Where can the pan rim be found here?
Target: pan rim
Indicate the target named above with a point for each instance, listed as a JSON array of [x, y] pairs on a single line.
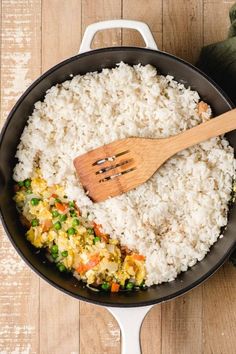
[[37, 271]]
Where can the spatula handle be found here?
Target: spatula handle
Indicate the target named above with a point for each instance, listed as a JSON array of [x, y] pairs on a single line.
[[210, 129]]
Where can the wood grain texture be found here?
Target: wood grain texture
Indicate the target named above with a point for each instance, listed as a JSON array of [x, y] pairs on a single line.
[[219, 312], [151, 13], [59, 314], [219, 10], [183, 28], [19, 286], [42, 320]]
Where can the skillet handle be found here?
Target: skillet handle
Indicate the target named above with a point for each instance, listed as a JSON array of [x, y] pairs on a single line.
[[92, 29], [130, 321]]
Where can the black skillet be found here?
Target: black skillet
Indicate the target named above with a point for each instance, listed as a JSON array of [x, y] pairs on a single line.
[[95, 60]]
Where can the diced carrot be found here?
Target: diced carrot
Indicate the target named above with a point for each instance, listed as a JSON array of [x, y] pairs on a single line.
[[202, 107], [115, 287], [81, 268], [138, 257], [54, 195], [46, 225], [104, 238], [93, 261], [61, 207], [97, 230]]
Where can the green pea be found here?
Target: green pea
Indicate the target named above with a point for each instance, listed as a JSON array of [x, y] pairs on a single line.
[[90, 231], [73, 213], [55, 213], [71, 231], [129, 286], [57, 225], [34, 201], [54, 255], [75, 222], [96, 239], [27, 183], [21, 184], [28, 191], [57, 200], [35, 222], [63, 217], [61, 267], [71, 204], [54, 249], [64, 253], [105, 286]]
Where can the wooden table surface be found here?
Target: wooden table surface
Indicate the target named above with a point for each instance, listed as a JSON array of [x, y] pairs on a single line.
[[36, 318]]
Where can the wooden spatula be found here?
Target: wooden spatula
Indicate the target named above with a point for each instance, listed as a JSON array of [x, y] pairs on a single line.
[[113, 169]]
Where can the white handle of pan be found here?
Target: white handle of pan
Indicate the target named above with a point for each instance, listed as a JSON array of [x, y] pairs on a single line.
[[130, 321], [141, 27]]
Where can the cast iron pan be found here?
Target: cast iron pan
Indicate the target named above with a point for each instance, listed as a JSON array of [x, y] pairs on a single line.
[[80, 64]]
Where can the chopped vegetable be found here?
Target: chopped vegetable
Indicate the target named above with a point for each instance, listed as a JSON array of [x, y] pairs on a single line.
[[61, 267], [96, 239], [54, 249], [27, 183], [21, 184], [61, 207], [71, 204], [55, 213], [75, 222], [71, 231], [138, 257], [34, 201], [63, 217], [35, 222], [129, 286], [64, 253], [115, 287], [57, 225], [105, 286]]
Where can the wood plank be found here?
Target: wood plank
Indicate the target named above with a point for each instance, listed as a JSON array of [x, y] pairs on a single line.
[[183, 28], [99, 331], [182, 324], [151, 332], [217, 24], [19, 287], [61, 30], [148, 11], [101, 10], [59, 313], [219, 312]]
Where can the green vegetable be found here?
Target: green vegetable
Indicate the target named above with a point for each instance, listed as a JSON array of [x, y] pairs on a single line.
[[61, 267], [71, 231], [64, 253], [21, 184], [129, 286], [34, 201], [28, 191], [63, 217], [71, 204], [54, 255], [55, 213], [27, 183], [57, 200], [54, 249], [73, 213], [75, 222], [35, 222], [90, 231], [57, 225], [105, 286], [96, 239]]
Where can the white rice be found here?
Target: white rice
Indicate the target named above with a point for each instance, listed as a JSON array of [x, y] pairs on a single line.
[[176, 216]]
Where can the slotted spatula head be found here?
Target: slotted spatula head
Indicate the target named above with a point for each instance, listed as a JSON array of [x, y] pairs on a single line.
[[115, 168]]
